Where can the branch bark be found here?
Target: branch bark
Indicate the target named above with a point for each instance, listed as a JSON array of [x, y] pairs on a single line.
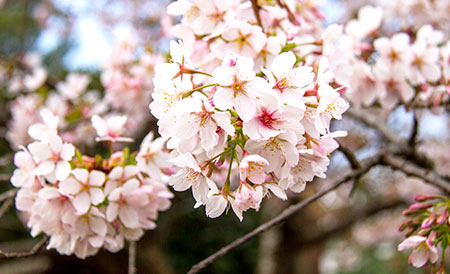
[[132, 258], [31, 252], [256, 9], [288, 212], [372, 122], [410, 169]]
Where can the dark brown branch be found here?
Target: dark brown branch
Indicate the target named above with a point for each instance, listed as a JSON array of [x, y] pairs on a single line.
[[288, 212], [354, 163], [256, 9], [415, 131], [419, 105], [36, 248], [410, 169], [291, 15], [372, 122], [355, 217]]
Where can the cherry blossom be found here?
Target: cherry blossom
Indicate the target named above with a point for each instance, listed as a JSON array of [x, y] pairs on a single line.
[[422, 250], [111, 129]]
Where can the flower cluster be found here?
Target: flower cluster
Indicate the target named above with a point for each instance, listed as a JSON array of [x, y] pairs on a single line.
[[403, 68], [428, 230], [86, 203], [271, 129], [127, 84]]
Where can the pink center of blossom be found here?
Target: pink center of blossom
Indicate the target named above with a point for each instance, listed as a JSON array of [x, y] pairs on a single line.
[[204, 116], [113, 135], [281, 84], [268, 119]]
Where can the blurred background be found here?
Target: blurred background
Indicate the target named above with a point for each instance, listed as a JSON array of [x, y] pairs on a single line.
[[337, 234]]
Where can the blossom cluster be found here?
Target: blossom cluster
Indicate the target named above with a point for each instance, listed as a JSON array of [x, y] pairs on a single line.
[[127, 84], [403, 68], [428, 229], [84, 203], [270, 131]]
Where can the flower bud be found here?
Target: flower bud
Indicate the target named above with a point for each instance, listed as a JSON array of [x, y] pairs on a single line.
[[415, 207], [443, 217], [431, 238], [423, 198], [405, 224], [429, 221]]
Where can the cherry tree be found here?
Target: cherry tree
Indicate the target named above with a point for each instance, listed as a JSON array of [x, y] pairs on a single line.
[[249, 102]]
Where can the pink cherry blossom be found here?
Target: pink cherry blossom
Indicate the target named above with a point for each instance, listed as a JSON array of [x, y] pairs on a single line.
[[422, 250]]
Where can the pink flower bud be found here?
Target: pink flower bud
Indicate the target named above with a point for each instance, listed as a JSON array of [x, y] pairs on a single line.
[[429, 221], [418, 206], [423, 198], [443, 217], [405, 224], [432, 237]]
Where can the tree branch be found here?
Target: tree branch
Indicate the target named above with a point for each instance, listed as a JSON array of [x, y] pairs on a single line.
[[415, 131], [355, 217], [132, 258], [288, 212], [8, 194], [6, 205], [36, 248], [372, 122], [410, 169], [256, 9], [291, 15], [354, 163]]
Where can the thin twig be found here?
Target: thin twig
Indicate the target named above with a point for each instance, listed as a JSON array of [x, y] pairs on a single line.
[[8, 194], [132, 258], [356, 216], [372, 122], [5, 177], [288, 212], [36, 248], [291, 15], [420, 105], [256, 9], [415, 131], [5, 206], [429, 176], [354, 163]]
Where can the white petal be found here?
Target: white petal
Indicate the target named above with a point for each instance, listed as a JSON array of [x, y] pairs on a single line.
[[81, 175], [129, 217], [224, 76], [40, 151], [277, 191], [130, 186], [62, 170], [223, 98], [97, 195], [112, 211], [245, 107], [82, 202], [44, 168], [215, 206], [97, 225], [67, 152], [96, 178], [100, 125], [418, 257], [69, 186]]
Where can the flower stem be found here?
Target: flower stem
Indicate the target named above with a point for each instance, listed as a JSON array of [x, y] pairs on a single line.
[[189, 93]]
